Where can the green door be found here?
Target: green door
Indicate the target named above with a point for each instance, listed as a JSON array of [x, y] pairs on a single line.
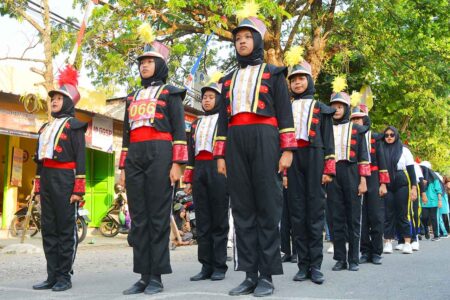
[[99, 184]]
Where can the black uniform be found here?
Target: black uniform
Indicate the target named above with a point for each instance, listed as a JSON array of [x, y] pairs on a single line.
[[286, 233], [150, 146], [58, 178], [314, 157], [254, 124], [352, 162], [372, 226], [209, 193]]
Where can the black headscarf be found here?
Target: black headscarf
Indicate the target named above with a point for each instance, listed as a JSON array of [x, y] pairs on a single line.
[[257, 55], [217, 103], [392, 152], [345, 118], [67, 109], [160, 75], [310, 90]]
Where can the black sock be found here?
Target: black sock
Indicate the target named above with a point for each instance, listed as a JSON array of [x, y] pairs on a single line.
[[156, 277], [145, 278], [267, 277], [252, 276]]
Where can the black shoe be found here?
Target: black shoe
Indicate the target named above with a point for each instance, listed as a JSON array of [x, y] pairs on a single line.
[[364, 259], [353, 267], [294, 259], [264, 288], [216, 275], [45, 285], [61, 286], [317, 276], [339, 266], [301, 275], [376, 259], [245, 288], [153, 287], [136, 288], [427, 234], [285, 258], [201, 276]]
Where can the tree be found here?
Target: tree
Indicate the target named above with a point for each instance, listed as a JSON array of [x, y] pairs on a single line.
[[52, 36]]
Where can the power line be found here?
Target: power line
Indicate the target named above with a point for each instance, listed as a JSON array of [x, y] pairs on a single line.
[[54, 16]]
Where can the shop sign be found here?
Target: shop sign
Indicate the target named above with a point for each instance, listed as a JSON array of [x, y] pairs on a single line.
[[100, 134]]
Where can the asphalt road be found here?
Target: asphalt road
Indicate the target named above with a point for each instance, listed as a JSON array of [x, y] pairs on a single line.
[[103, 270]]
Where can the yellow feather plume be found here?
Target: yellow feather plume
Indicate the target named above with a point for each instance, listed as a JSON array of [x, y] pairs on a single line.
[[367, 96], [355, 99], [294, 56], [250, 9], [214, 78], [146, 34], [339, 83]]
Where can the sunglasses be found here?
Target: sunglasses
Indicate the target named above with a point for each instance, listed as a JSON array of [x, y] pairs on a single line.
[[389, 135]]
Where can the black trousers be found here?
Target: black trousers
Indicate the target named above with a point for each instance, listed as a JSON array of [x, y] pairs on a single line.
[[329, 214], [307, 206], [252, 157], [149, 193], [397, 207], [346, 205], [58, 222], [372, 226], [429, 215], [286, 228], [211, 212]]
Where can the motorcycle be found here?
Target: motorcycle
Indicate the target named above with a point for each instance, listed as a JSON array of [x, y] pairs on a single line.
[[117, 217], [18, 223], [188, 203]]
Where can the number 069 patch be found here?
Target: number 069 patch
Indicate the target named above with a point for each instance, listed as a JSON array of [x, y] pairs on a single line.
[[142, 110]]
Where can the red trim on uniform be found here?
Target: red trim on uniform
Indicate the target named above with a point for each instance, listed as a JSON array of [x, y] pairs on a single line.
[[315, 121], [54, 164], [263, 89], [161, 103], [130, 98], [354, 131], [287, 140], [165, 92], [179, 153], [188, 175], [312, 133], [58, 149], [364, 169], [352, 153], [228, 109], [159, 116], [80, 186], [204, 155], [250, 119], [63, 136], [146, 133], [219, 149], [37, 185], [373, 168], [261, 104], [372, 141], [316, 110], [302, 144], [372, 150], [329, 167], [228, 94], [67, 125], [227, 83], [123, 156], [265, 75], [384, 177], [353, 142]]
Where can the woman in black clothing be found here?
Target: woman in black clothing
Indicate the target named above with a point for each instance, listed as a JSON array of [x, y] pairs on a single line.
[[401, 189]]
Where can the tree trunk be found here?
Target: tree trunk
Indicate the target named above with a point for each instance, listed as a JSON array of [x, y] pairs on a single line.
[[46, 38]]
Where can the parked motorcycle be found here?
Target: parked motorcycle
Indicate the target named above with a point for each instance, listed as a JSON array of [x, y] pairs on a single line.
[[18, 225], [117, 217]]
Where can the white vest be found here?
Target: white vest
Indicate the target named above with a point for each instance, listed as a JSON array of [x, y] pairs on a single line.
[[204, 133], [302, 110]]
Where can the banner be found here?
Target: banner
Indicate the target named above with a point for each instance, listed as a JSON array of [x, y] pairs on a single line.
[[190, 79], [16, 167]]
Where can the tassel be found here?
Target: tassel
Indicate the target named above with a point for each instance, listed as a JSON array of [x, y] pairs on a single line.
[[69, 75], [250, 9], [145, 33], [339, 83], [294, 56]]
